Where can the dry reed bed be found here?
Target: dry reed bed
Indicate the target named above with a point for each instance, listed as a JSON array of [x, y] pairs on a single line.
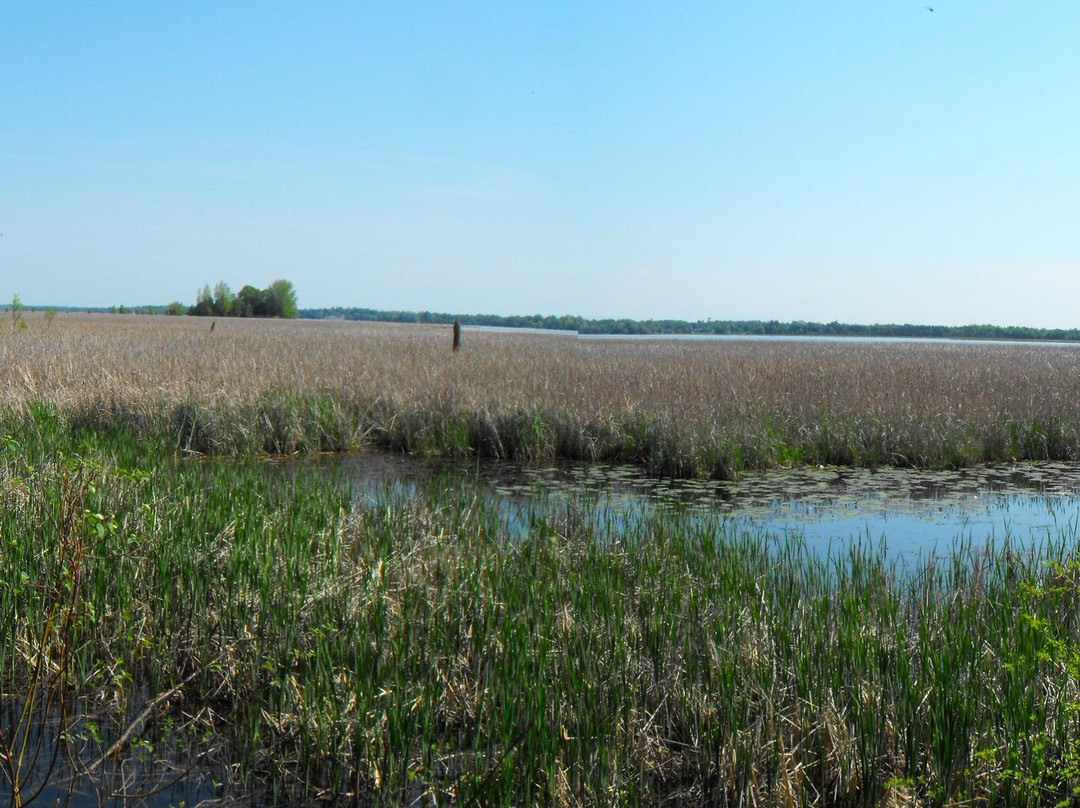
[[681, 407]]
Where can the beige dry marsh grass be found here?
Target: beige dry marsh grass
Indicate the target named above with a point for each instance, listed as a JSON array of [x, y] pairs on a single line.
[[676, 406]]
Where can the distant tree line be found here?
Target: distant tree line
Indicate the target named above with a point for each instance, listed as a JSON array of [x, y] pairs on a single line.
[[564, 323], [583, 325], [114, 309], [276, 300]]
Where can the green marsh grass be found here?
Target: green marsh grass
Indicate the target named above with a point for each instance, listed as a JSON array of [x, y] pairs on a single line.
[[406, 648]]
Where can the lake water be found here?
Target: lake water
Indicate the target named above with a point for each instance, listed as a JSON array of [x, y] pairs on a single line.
[[767, 337], [827, 338], [913, 512]]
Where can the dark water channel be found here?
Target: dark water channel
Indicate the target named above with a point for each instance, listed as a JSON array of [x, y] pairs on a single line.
[[912, 511], [80, 760]]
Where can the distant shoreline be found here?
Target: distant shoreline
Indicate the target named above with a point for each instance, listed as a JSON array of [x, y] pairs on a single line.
[[705, 328], [656, 328]]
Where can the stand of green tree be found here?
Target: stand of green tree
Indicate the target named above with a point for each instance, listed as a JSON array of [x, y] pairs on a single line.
[[704, 327], [276, 300]]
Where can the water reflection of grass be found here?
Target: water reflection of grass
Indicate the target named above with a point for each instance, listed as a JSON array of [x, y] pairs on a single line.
[[676, 408], [918, 510], [384, 650]]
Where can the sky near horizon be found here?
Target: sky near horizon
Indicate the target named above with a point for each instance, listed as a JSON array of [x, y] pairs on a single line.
[[849, 160]]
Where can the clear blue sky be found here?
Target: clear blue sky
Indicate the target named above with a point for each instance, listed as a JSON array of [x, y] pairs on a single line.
[[858, 160]]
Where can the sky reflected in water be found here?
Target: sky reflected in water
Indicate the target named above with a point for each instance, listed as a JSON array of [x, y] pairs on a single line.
[[914, 511]]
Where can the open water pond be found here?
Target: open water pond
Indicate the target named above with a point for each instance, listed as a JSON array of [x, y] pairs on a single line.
[[912, 511]]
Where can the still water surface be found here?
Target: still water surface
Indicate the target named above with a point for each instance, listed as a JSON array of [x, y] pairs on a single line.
[[912, 511], [767, 337]]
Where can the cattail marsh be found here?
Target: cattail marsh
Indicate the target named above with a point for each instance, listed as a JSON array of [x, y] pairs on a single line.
[[691, 408], [407, 651]]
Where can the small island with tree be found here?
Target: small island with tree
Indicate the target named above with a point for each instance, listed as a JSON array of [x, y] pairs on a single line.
[[276, 300]]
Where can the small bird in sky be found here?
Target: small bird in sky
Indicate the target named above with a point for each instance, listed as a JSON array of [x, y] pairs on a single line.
[[928, 8]]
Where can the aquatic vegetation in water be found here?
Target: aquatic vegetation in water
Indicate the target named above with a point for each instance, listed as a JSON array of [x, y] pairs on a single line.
[[405, 648]]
